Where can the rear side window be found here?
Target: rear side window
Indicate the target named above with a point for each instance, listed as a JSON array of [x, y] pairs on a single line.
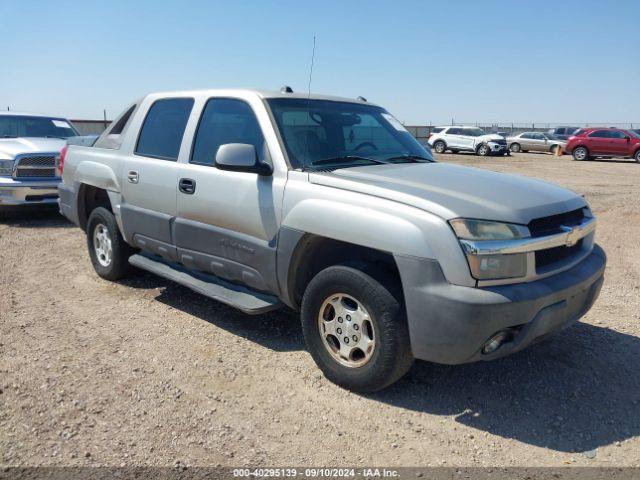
[[437, 130], [225, 120], [163, 129], [600, 134], [122, 121]]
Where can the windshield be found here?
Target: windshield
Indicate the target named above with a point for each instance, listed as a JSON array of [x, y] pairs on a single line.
[[635, 133], [342, 134], [12, 126]]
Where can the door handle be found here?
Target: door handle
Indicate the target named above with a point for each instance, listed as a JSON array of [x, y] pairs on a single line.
[[187, 185], [132, 176]]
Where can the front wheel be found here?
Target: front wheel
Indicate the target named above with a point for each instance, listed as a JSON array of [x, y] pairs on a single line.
[[355, 329], [637, 156], [108, 251], [484, 150], [580, 153]]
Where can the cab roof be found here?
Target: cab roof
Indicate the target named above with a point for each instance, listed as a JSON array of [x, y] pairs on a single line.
[[27, 114], [264, 94]]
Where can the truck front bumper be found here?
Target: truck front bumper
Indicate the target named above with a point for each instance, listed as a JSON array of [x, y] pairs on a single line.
[[452, 324], [28, 192]]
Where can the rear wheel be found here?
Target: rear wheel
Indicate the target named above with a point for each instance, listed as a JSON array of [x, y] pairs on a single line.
[[355, 329], [108, 251], [555, 149], [637, 156], [514, 147], [580, 153], [439, 146]]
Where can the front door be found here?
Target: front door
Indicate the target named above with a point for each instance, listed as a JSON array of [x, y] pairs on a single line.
[[620, 143], [227, 221], [150, 177]]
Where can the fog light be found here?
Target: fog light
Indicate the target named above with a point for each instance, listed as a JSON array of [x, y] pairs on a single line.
[[494, 342]]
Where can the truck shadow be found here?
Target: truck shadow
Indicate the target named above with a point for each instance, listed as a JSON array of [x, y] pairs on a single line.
[[36, 218], [279, 330], [575, 392]]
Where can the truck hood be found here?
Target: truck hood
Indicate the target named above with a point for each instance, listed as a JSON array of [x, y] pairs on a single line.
[[10, 147], [452, 191]]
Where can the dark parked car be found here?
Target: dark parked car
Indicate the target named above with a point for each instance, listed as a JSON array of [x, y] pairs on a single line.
[[604, 142], [562, 133]]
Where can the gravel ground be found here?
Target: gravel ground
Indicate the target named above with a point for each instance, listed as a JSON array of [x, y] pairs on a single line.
[[145, 372]]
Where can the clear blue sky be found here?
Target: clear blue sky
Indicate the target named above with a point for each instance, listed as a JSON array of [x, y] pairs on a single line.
[[474, 61]]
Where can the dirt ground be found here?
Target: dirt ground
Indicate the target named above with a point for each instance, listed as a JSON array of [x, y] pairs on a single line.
[[145, 372]]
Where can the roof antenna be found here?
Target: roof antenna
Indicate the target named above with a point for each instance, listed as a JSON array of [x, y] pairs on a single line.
[[306, 138], [313, 55]]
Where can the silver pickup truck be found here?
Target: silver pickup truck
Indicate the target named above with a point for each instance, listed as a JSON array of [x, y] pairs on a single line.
[[329, 206], [29, 147]]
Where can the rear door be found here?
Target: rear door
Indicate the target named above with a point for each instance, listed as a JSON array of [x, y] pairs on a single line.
[[227, 221], [150, 174], [526, 141], [452, 137], [598, 142]]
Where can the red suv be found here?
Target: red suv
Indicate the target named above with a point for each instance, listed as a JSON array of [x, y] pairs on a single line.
[[604, 142]]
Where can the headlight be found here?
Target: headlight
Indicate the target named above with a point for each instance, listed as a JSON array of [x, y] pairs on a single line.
[[6, 167], [495, 266], [468, 229]]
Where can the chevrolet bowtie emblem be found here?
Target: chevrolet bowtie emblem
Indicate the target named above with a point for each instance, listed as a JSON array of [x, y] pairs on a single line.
[[573, 235]]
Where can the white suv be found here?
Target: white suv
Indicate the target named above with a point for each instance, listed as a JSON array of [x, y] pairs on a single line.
[[457, 138]]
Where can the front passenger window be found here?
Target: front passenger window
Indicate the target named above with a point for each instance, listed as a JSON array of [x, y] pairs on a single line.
[[226, 120]]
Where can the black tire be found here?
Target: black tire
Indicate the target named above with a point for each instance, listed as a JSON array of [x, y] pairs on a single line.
[[637, 156], [483, 150], [118, 266], [514, 147], [439, 146], [580, 153], [554, 149], [391, 357]]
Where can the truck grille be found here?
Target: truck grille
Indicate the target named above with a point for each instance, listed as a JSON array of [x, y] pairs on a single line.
[[540, 227], [551, 256], [41, 166]]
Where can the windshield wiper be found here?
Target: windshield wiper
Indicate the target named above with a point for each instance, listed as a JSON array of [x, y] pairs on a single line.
[[410, 158], [9, 136], [55, 136], [329, 161]]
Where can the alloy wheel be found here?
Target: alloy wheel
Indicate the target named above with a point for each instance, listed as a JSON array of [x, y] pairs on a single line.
[[347, 330]]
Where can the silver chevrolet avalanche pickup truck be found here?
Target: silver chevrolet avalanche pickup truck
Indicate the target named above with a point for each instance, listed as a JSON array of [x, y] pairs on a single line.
[[329, 206], [29, 147]]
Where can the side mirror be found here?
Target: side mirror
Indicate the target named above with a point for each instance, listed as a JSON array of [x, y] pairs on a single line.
[[627, 138], [241, 157]]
